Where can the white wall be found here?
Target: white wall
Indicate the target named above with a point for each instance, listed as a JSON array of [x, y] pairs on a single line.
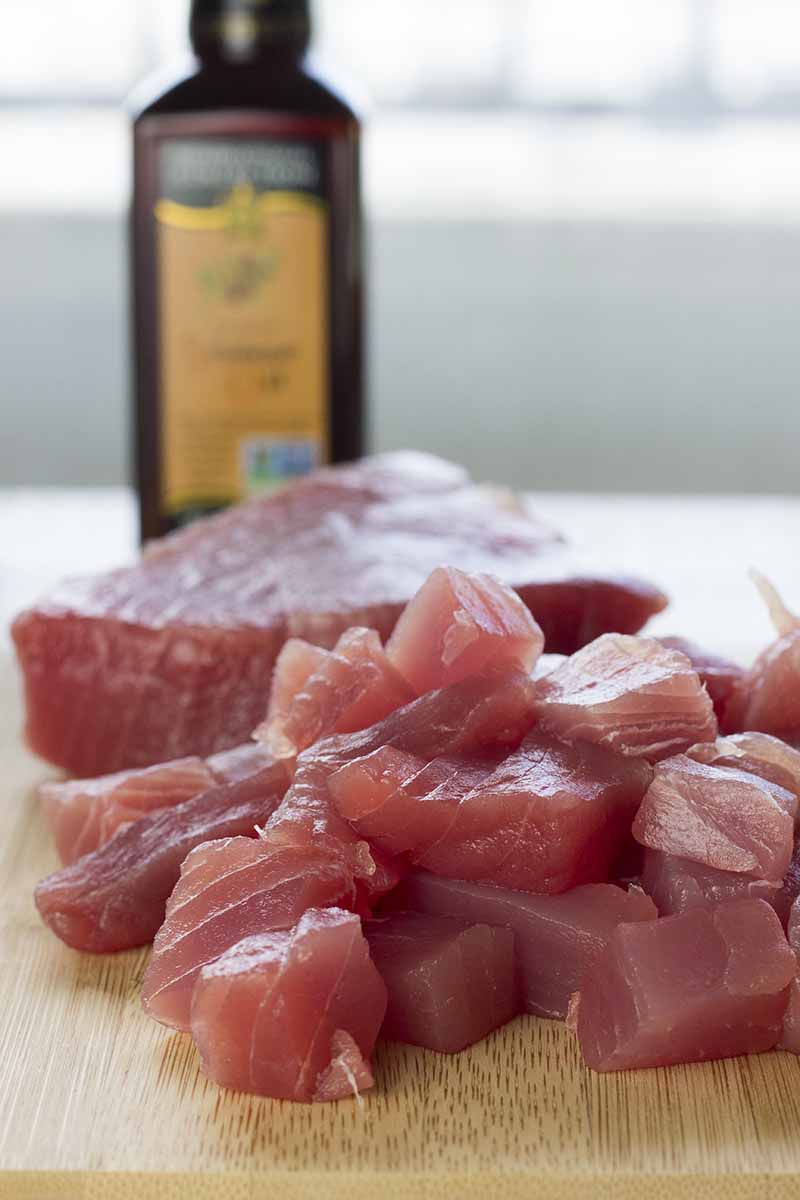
[[581, 355]]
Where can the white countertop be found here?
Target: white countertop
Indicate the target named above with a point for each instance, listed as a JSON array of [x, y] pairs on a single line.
[[698, 548]]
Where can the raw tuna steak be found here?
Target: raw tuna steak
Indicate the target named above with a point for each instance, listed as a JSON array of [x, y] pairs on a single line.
[[757, 753], [458, 624], [719, 675], [557, 938], [85, 813], [347, 689], [726, 819], [184, 643], [450, 983], [294, 1014], [229, 890], [629, 694], [549, 817], [712, 983], [115, 898], [677, 884]]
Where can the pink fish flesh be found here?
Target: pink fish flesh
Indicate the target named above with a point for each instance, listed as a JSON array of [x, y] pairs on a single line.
[[115, 898], [630, 695], [710, 983], [230, 890], [726, 819], [183, 644], [768, 697], [292, 1014], [719, 675], [547, 818], [557, 938], [758, 753], [349, 688], [450, 983], [678, 884], [458, 624], [84, 814]]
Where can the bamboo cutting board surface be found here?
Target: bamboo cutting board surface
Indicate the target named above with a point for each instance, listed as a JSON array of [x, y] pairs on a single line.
[[99, 1103]]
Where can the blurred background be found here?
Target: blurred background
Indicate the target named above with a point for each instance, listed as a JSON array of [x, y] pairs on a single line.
[[584, 228]]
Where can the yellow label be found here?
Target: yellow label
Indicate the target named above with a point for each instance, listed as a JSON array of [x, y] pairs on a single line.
[[244, 344]]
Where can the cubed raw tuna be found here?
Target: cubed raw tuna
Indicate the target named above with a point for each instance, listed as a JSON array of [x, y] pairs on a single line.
[[450, 982], [229, 890], [677, 884], [726, 819], [348, 688], [84, 814], [790, 1037], [711, 983], [292, 1014], [630, 695], [549, 817], [557, 938], [115, 898], [768, 697], [719, 675], [758, 753], [490, 712], [456, 625]]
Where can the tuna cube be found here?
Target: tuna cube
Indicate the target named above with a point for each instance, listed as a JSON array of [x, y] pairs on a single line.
[[557, 938], [719, 675], [711, 983], [458, 624], [768, 697], [84, 814], [630, 695], [726, 819], [293, 1014], [758, 753], [229, 890], [450, 982], [549, 817], [678, 884], [346, 689]]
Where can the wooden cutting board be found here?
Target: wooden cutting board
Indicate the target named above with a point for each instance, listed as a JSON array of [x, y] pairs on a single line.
[[96, 1101]]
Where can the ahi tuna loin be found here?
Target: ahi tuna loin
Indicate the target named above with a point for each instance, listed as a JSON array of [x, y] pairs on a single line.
[[173, 657], [449, 983], [712, 983], [294, 1014]]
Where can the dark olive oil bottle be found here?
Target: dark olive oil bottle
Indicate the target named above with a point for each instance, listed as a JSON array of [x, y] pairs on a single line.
[[247, 268]]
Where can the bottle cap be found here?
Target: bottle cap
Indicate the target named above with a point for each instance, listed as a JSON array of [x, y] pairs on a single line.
[[242, 26]]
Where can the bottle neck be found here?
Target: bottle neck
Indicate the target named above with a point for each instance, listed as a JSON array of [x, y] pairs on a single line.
[[250, 31]]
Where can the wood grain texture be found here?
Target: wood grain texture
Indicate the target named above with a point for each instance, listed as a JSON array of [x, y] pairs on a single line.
[[99, 1103]]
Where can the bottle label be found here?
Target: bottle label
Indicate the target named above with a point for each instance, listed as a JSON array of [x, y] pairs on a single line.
[[243, 262]]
